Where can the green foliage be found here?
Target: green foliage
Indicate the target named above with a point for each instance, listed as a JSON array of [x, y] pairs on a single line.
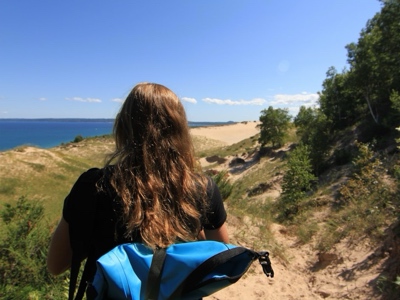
[[274, 126], [342, 156], [395, 102], [395, 99], [23, 251], [366, 202], [339, 102], [304, 122], [369, 89], [374, 61], [397, 281], [365, 183], [223, 183], [78, 139], [366, 179], [314, 130], [297, 181], [390, 289]]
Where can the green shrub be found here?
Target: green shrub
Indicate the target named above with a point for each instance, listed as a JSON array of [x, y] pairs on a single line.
[[367, 202], [78, 139], [223, 183], [297, 181], [23, 251]]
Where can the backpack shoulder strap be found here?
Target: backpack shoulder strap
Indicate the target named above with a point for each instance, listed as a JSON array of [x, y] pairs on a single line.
[[155, 274], [81, 231]]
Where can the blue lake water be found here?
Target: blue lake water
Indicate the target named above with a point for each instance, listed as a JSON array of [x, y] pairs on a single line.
[[47, 133]]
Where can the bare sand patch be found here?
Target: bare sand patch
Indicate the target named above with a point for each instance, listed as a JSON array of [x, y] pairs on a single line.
[[230, 134]]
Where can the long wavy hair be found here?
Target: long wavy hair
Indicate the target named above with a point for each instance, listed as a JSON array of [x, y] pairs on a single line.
[[163, 197]]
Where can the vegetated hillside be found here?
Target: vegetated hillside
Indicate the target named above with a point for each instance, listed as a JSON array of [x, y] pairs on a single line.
[[330, 249], [342, 243]]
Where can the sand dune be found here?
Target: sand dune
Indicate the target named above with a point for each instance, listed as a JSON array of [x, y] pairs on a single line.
[[230, 134]]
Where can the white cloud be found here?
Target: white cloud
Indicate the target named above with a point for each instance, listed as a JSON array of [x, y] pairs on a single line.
[[255, 101], [42, 99], [293, 101], [79, 99], [303, 98], [190, 100], [119, 100]]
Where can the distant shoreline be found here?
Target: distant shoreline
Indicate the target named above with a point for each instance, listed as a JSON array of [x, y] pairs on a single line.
[[52, 132], [58, 119], [191, 123]]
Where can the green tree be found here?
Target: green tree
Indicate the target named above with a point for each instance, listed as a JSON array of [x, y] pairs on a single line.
[[314, 130], [338, 100], [368, 88], [395, 101], [374, 62], [297, 181], [274, 126], [304, 121]]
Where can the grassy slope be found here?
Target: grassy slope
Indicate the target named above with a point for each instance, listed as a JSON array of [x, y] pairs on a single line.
[[47, 175]]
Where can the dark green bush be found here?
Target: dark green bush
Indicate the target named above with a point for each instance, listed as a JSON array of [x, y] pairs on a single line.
[[78, 139]]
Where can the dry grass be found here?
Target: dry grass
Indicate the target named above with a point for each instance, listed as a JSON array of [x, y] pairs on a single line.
[[48, 174]]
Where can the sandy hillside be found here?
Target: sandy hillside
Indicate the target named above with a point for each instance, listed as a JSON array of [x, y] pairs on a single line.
[[304, 273], [229, 134]]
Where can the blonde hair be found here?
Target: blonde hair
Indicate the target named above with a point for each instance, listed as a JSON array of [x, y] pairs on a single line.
[[163, 197]]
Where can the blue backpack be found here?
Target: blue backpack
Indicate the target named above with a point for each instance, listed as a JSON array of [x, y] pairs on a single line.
[[190, 270]]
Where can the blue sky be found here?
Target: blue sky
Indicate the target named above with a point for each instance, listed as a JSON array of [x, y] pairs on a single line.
[[226, 59]]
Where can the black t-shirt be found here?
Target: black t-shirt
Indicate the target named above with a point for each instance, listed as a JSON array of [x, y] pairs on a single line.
[[93, 216]]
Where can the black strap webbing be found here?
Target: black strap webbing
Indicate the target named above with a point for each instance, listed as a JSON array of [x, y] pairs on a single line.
[[85, 276], [75, 265], [85, 227], [155, 274]]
